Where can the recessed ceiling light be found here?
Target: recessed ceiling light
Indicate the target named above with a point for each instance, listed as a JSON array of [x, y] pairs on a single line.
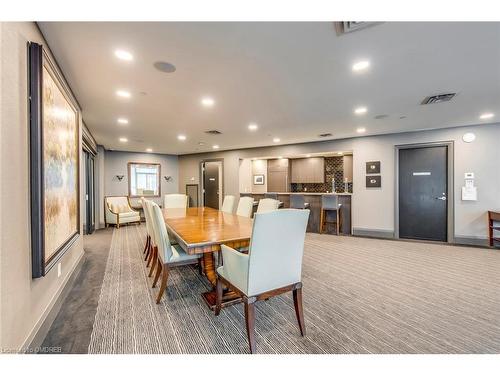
[[276, 140], [308, 155], [253, 126], [486, 116], [215, 147], [124, 55], [122, 120], [360, 110], [181, 137], [360, 66], [361, 130], [207, 102], [123, 94], [123, 140], [149, 150]]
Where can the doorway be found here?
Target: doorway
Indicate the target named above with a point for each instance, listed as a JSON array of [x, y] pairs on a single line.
[[424, 190], [212, 178], [89, 191]]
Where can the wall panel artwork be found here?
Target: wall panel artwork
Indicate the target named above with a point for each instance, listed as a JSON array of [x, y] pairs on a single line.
[[55, 150]]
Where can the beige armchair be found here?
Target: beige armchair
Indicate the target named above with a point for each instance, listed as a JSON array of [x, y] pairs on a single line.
[[117, 211]]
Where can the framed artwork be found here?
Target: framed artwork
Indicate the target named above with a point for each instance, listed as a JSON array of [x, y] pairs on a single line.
[[372, 167], [54, 163], [373, 181], [144, 179], [258, 179]]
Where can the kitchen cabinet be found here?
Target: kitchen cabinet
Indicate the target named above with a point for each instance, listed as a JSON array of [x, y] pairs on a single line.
[[278, 175], [308, 170], [348, 168]]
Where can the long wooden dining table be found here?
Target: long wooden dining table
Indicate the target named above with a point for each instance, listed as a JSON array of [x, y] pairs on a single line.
[[202, 230]]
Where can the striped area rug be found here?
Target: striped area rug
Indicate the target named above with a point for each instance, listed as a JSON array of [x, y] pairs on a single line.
[[360, 296]]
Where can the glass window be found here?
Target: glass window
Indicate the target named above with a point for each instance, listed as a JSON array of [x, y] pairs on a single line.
[[144, 180]]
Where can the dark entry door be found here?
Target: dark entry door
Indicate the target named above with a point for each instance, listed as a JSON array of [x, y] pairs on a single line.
[[89, 224], [423, 186], [211, 184]]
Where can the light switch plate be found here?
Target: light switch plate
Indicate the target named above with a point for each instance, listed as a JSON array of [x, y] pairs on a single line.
[[469, 175]]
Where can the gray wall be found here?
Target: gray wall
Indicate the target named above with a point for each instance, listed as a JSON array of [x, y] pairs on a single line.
[[373, 209], [116, 163], [24, 302]]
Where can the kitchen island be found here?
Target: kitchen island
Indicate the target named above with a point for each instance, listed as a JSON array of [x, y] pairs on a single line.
[[314, 200]]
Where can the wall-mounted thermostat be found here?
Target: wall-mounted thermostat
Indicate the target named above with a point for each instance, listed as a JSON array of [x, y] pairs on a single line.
[[469, 191]]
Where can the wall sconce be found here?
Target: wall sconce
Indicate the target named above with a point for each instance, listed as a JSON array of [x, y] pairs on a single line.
[[168, 178], [119, 177]]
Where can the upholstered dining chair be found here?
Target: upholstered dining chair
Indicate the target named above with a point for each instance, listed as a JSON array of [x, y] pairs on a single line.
[[175, 201], [245, 207], [228, 204], [166, 255], [267, 205], [148, 245], [272, 266]]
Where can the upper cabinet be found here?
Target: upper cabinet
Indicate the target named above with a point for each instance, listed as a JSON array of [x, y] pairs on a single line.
[[308, 170], [278, 176], [348, 168]]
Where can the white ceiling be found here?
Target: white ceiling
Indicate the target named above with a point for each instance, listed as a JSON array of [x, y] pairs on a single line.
[[293, 79]]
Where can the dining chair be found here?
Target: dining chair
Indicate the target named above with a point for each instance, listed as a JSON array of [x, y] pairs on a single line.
[[267, 205], [147, 246], [245, 207], [166, 254], [150, 255], [272, 266], [329, 203], [175, 201], [298, 201], [228, 204]]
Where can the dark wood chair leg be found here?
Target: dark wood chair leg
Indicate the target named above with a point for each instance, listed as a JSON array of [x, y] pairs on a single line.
[[148, 251], [297, 301], [218, 289], [146, 245], [153, 262], [250, 322], [200, 265], [321, 218], [164, 279], [158, 272]]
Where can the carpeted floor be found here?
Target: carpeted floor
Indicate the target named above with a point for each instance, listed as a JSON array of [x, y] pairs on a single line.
[[360, 296]]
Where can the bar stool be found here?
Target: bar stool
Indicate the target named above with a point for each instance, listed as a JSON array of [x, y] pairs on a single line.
[[329, 203], [271, 196], [298, 201]]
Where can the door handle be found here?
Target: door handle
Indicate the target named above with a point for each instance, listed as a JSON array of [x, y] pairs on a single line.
[[441, 198]]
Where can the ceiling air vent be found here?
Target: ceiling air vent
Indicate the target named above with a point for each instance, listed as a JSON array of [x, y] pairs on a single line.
[[325, 135], [380, 117], [213, 132], [345, 27], [438, 98]]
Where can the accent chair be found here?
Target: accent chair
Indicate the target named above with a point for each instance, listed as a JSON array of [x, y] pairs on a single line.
[[117, 211]]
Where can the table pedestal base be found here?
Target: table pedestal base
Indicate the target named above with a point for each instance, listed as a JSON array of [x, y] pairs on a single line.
[[228, 299]]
